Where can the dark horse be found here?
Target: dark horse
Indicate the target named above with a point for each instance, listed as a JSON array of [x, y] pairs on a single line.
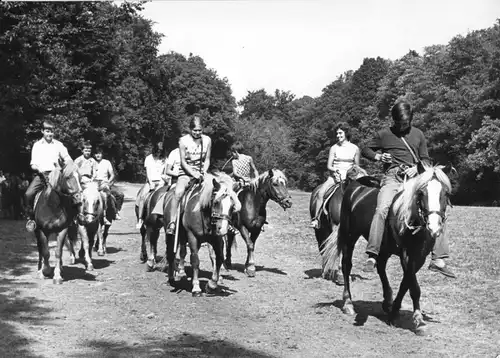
[[415, 221], [55, 212], [328, 221], [205, 217], [251, 218]]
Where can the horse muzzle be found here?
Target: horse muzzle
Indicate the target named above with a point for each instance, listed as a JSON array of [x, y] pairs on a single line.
[[286, 203]]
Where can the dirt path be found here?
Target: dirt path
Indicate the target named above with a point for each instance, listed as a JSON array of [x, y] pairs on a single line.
[[119, 310]]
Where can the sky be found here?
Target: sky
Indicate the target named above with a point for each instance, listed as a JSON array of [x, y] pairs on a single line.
[[302, 46]]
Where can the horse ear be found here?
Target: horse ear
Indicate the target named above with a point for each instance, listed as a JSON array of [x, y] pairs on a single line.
[[271, 173], [216, 184], [420, 168], [449, 169]]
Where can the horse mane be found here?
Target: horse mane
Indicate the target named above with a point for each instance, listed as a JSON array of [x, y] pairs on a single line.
[[403, 205], [261, 179], [207, 188], [355, 172]]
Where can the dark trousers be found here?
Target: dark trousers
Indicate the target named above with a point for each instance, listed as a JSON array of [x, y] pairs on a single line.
[[35, 186], [119, 197]]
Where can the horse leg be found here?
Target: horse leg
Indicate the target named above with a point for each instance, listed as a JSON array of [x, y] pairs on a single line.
[[403, 287], [228, 265], [250, 239], [86, 247], [418, 319], [181, 272], [386, 287], [150, 263], [218, 248], [44, 269], [144, 255], [347, 251], [68, 242], [195, 263], [102, 241], [58, 251], [155, 234]]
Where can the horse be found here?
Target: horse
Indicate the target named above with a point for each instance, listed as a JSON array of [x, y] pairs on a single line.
[[331, 219], [271, 184], [110, 214], [415, 220], [91, 225], [205, 218], [55, 211]]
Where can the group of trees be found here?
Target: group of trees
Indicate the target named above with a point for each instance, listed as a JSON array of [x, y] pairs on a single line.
[[94, 69]]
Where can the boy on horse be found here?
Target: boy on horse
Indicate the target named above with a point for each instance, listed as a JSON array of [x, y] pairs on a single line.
[[105, 176], [47, 154], [194, 149], [402, 146], [86, 164], [244, 169], [342, 156]]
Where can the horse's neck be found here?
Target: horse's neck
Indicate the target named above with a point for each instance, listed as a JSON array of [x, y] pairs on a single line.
[[52, 206], [260, 199]]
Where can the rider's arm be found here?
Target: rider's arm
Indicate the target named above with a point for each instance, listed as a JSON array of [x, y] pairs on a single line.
[[369, 151], [187, 169], [64, 155], [148, 163], [356, 156], [111, 173], [35, 157], [331, 157], [423, 152], [206, 164], [254, 168]]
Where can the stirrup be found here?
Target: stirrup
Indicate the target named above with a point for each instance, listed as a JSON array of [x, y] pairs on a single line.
[[315, 224]]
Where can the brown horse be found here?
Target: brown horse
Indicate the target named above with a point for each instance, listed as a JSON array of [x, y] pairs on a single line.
[[416, 219], [272, 184], [330, 220], [55, 212]]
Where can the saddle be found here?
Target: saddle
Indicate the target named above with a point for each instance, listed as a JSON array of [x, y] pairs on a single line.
[[328, 195], [369, 181]]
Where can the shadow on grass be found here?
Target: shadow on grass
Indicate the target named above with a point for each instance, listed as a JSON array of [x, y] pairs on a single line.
[[18, 257], [204, 276], [182, 345], [365, 309], [241, 268]]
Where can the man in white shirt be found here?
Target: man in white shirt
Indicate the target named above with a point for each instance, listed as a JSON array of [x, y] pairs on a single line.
[[105, 175], [46, 155], [86, 164]]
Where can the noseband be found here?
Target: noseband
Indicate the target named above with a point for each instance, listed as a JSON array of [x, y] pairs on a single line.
[[219, 216]]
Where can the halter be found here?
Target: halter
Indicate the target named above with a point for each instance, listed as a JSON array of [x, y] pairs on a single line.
[[423, 216], [219, 216], [275, 198]]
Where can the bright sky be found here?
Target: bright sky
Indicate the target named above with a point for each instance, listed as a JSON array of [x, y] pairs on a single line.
[[303, 45]]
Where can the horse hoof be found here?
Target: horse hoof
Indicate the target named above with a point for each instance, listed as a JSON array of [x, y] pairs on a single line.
[[338, 279], [58, 281], [197, 294], [171, 282], [250, 272], [349, 310], [179, 275], [100, 253], [72, 261], [422, 331], [387, 307], [220, 282], [228, 266], [143, 258], [90, 267], [149, 267]]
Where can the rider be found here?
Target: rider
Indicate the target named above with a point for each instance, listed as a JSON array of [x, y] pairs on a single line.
[[173, 166], [46, 155], [194, 149], [155, 166], [244, 169], [105, 176], [86, 164], [394, 143], [343, 155]]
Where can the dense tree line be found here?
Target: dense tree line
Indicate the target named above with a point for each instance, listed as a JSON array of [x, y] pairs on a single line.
[[94, 69]]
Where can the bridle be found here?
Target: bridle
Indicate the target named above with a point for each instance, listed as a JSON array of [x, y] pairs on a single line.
[[423, 216]]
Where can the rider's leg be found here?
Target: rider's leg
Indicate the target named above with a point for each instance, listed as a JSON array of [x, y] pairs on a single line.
[[180, 188], [119, 197], [440, 252], [390, 187], [141, 197], [319, 201], [35, 186]]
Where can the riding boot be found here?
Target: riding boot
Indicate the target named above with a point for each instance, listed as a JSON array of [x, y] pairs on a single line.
[[30, 224], [173, 217]]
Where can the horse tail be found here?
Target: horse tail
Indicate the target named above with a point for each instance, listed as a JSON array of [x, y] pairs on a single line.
[[330, 252]]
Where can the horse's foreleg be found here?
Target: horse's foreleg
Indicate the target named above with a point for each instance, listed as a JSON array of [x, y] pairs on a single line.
[[102, 242], [82, 230], [143, 257], [182, 252], [228, 265], [250, 239], [68, 242], [386, 287], [218, 249], [347, 251], [403, 287], [61, 236], [418, 319], [195, 263], [44, 269], [151, 262]]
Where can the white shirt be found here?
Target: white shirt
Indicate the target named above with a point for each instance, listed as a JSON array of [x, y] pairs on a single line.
[[174, 160], [344, 156], [103, 170], [154, 167], [46, 155]]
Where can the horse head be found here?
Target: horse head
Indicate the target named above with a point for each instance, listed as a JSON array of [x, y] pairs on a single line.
[[424, 200], [224, 203], [277, 187], [92, 202], [66, 182]]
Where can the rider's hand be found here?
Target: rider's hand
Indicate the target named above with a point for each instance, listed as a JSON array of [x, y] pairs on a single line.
[[411, 171], [196, 174], [384, 158]]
